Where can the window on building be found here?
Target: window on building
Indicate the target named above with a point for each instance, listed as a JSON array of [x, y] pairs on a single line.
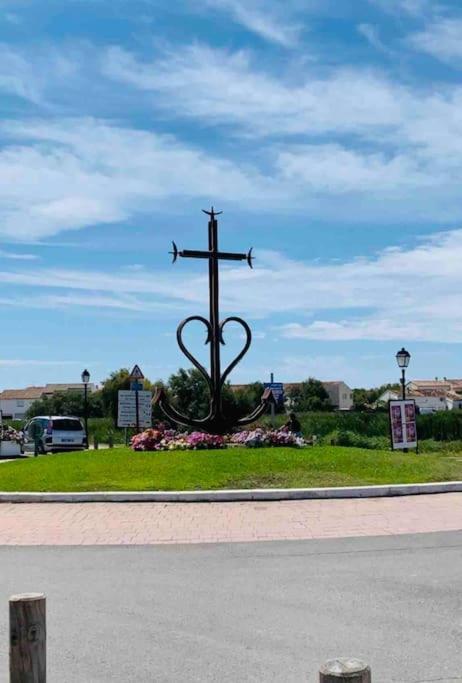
[[20, 403]]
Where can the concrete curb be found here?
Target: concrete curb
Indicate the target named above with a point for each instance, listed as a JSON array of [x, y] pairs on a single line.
[[228, 496]]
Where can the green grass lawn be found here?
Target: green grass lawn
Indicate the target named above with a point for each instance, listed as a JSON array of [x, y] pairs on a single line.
[[122, 469]]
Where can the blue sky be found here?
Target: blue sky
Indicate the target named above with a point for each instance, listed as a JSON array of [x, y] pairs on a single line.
[[329, 133]]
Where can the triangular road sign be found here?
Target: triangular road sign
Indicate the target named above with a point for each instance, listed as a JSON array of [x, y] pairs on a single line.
[[136, 373]]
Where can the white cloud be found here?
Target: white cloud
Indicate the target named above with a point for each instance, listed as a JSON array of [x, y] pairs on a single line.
[[190, 82], [400, 137], [414, 8], [441, 39], [362, 103], [387, 142], [17, 257], [31, 74], [334, 169], [372, 35], [410, 294], [92, 173], [262, 18]]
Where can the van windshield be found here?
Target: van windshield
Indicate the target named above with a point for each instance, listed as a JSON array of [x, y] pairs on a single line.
[[63, 425]]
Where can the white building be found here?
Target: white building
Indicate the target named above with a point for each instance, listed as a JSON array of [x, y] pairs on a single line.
[[14, 403], [340, 395]]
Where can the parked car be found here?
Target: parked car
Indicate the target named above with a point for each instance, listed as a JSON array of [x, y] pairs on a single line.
[[58, 433]]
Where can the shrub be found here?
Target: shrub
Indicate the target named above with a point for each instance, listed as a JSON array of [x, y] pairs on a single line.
[[343, 437]]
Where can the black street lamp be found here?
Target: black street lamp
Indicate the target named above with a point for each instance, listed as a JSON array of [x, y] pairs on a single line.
[[85, 380], [402, 358]]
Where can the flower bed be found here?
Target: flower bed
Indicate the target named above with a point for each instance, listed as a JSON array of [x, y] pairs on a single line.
[[171, 440], [257, 438]]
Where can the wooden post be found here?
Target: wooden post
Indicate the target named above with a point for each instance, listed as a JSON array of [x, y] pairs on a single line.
[[96, 443], [111, 441], [348, 670], [28, 638]]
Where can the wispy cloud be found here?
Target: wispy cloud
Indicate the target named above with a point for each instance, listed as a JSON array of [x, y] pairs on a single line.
[[415, 8], [93, 173], [372, 35], [407, 294], [17, 257], [189, 82], [384, 135], [263, 18], [35, 74], [441, 39]]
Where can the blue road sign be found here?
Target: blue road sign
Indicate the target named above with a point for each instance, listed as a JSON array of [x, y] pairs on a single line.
[[278, 390], [136, 386]]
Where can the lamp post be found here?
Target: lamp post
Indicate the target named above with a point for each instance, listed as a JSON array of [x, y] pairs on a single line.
[[85, 380], [402, 358]]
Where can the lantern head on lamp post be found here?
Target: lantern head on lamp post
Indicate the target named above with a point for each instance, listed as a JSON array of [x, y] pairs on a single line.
[[85, 381], [402, 358]]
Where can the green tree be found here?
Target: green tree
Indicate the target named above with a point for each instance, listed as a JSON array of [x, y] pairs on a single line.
[[67, 403], [247, 398], [309, 396], [364, 399], [190, 394]]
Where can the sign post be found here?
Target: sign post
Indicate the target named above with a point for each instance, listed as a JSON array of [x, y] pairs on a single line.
[[277, 389], [403, 427], [136, 383], [135, 404]]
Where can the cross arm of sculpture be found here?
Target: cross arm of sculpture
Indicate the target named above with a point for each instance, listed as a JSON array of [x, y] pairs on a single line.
[[216, 422]]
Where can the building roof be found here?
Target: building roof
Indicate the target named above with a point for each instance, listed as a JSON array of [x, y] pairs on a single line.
[[27, 393], [53, 388], [33, 393], [432, 383]]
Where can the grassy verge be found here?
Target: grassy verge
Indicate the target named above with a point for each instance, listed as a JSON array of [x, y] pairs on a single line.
[[122, 469]]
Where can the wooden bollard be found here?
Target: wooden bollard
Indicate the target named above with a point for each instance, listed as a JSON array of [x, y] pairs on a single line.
[[110, 441], [95, 443], [28, 638], [345, 669]]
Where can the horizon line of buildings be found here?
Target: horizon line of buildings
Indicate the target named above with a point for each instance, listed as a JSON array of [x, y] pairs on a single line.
[[429, 395]]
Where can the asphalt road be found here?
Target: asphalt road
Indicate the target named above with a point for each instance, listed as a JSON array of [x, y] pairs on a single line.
[[245, 612]]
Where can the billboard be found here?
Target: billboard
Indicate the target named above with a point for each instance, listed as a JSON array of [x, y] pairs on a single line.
[[403, 427]]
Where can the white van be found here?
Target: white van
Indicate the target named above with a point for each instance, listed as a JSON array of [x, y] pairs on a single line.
[[59, 433]]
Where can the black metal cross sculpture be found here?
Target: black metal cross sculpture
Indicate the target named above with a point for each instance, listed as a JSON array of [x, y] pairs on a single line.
[[215, 422]]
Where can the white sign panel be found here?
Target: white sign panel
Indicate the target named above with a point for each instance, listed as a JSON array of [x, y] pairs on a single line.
[[127, 409], [403, 424]]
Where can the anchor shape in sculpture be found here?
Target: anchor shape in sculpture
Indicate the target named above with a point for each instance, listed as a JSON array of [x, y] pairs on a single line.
[[215, 422]]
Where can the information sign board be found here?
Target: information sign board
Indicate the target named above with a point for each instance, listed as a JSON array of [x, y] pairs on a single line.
[[127, 409], [278, 391], [403, 428]]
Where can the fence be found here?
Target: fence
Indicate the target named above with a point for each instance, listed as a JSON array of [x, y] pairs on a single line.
[[28, 647]]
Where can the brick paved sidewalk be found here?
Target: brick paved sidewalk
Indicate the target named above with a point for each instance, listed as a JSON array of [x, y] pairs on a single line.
[[152, 523]]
